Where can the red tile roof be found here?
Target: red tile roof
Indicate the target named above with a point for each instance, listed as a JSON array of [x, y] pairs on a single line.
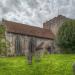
[[24, 29]]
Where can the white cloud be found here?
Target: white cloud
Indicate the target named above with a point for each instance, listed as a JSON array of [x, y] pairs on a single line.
[[35, 12]]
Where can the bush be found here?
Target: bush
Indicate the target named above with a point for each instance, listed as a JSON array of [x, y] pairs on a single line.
[[66, 36], [3, 42]]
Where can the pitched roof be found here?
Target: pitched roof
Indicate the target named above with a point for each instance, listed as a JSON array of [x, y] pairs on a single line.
[[24, 29]]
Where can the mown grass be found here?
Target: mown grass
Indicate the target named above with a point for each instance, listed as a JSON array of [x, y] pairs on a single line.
[[57, 64]]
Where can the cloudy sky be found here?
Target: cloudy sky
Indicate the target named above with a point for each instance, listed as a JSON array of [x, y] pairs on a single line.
[[35, 12]]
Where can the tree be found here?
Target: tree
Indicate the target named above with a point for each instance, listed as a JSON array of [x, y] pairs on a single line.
[[66, 37], [3, 42]]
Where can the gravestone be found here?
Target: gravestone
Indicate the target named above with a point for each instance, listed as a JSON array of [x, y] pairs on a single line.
[[31, 49], [73, 66]]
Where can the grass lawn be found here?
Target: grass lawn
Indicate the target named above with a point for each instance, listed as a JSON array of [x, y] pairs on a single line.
[[49, 65]]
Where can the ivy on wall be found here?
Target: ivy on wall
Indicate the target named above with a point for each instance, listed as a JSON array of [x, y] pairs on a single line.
[[3, 41]]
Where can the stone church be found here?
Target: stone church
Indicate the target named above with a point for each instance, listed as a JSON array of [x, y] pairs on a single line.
[[19, 36]]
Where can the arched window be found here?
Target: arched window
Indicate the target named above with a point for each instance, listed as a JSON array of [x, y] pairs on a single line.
[[18, 48]]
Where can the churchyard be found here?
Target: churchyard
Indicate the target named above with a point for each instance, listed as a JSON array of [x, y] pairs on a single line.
[[54, 64]]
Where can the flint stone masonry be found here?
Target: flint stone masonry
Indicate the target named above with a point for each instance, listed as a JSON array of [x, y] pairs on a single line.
[[18, 36]]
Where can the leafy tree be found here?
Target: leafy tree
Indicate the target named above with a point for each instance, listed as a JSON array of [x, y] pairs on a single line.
[[3, 41], [66, 37]]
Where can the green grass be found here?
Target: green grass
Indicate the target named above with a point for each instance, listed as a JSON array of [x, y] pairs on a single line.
[[57, 64]]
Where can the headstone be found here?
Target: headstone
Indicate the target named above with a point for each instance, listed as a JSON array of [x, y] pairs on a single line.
[[31, 49], [73, 66]]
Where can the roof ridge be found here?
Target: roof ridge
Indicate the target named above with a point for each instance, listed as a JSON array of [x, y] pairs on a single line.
[[23, 24]]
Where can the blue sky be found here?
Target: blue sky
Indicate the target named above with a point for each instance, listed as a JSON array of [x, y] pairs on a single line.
[[35, 12]]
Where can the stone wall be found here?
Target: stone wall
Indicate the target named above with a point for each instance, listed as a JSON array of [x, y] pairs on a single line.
[[24, 43]]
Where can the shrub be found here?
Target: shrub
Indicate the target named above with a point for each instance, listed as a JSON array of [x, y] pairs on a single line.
[[3, 41], [66, 36]]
